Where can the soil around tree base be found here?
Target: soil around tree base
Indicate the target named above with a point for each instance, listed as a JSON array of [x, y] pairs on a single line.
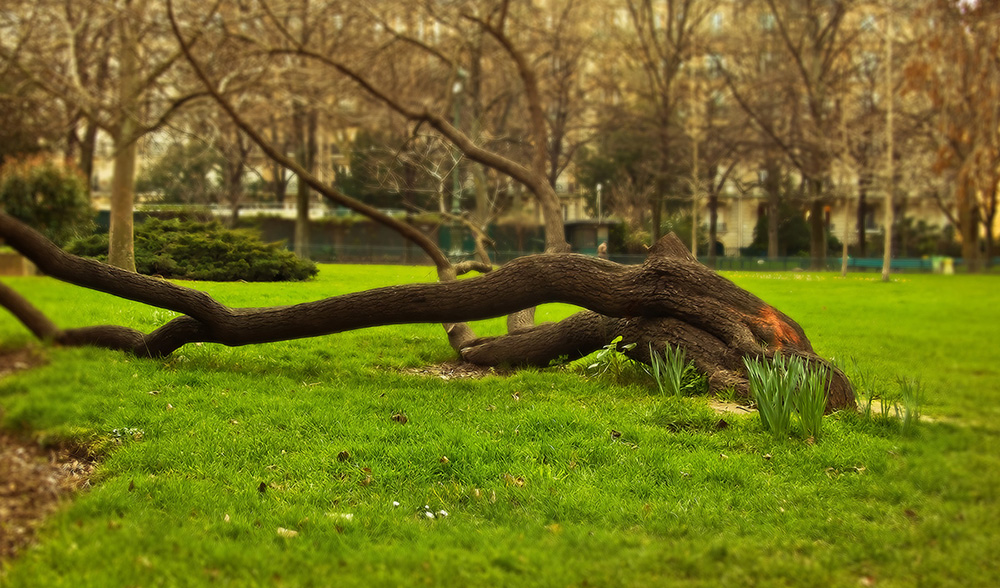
[[34, 480]]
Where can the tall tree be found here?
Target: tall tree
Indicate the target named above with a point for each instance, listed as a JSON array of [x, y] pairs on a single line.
[[141, 90], [809, 59], [660, 40], [955, 71]]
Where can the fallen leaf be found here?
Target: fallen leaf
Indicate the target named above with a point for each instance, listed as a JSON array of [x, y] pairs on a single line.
[[288, 533], [615, 434], [400, 418], [344, 455], [444, 459], [262, 488]]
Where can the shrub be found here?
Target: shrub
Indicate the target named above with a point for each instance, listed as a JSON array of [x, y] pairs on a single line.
[[48, 197], [204, 251]]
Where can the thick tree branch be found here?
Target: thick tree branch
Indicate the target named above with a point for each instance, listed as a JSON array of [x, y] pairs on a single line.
[[669, 298]]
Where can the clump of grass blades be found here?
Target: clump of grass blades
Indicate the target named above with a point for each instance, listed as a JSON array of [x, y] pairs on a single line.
[[911, 392], [784, 386], [668, 369], [811, 400], [772, 391], [674, 374]]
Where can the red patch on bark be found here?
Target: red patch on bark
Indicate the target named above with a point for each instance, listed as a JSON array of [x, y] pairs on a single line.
[[782, 333]]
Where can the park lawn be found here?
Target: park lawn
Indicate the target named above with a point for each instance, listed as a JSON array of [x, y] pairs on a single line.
[[287, 464]]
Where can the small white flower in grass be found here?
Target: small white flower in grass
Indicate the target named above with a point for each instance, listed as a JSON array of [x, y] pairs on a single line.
[[395, 504], [429, 514], [344, 516], [442, 513], [288, 533]]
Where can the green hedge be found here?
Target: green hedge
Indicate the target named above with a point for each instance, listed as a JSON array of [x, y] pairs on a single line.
[[194, 250]]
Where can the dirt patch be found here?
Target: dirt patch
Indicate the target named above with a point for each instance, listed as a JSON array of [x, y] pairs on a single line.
[[725, 407], [456, 370], [33, 479]]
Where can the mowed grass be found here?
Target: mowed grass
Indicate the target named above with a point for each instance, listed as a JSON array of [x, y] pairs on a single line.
[[283, 464]]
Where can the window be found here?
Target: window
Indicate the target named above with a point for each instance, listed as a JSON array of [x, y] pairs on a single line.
[[717, 22], [868, 23], [716, 65]]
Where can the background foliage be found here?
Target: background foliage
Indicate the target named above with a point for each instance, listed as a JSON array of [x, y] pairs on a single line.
[[195, 250], [47, 196]]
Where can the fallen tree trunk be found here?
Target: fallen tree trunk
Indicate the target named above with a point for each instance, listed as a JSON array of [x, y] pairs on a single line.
[[668, 299]]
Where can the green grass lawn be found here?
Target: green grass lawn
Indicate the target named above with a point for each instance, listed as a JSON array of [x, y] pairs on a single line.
[[282, 464]]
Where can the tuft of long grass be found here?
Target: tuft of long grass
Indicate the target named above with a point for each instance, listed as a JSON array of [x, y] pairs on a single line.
[[668, 369], [911, 394], [810, 402], [772, 385], [787, 386]]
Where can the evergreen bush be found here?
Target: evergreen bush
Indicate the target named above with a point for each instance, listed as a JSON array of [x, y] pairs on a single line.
[[193, 250]]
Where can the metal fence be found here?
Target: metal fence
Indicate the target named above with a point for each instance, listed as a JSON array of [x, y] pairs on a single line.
[[412, 255]]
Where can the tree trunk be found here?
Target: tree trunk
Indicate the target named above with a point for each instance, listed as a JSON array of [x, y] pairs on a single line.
[[863, 183], [120, 245], [817, 226], [713, 224], [968, 225], [772, 188], [121, 251], [669, 298], [305, 155], [85, 160]]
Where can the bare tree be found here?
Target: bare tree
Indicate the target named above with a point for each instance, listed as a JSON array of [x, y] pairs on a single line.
[[140, 91], [808, 60], [660, 40], [955, 72]]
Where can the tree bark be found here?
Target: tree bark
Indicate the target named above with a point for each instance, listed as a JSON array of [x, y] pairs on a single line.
[[669, 298], [121, 249]]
